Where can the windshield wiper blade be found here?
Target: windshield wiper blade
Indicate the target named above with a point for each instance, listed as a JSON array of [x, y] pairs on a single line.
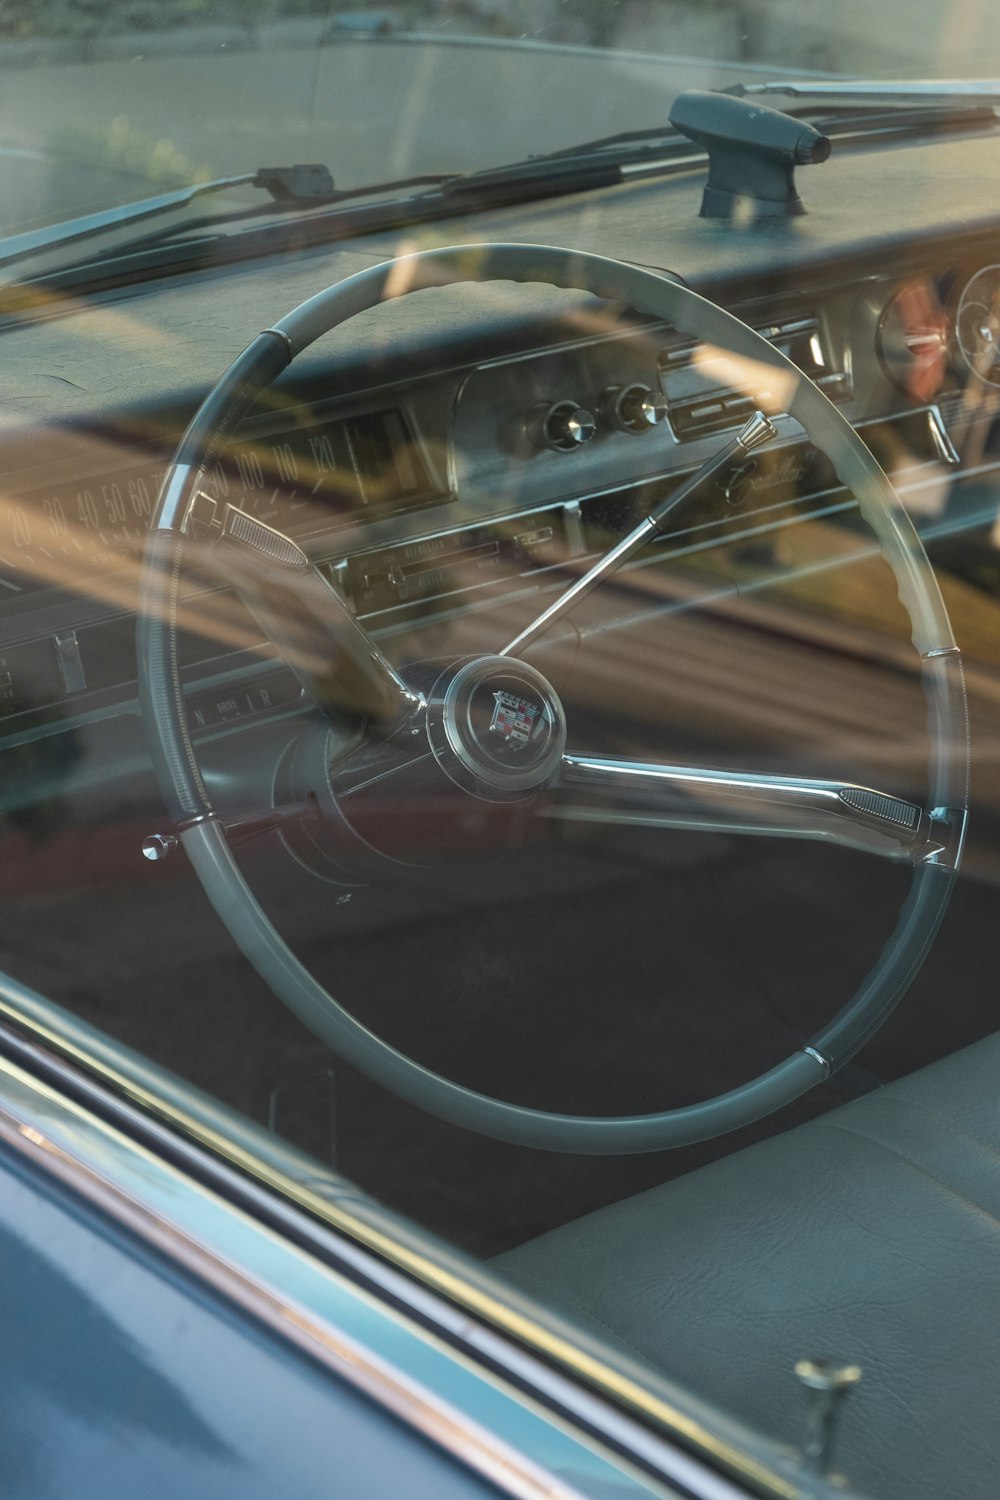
[[306, 184], [592, 165], [454, 192], [939, 91], [217, 221]]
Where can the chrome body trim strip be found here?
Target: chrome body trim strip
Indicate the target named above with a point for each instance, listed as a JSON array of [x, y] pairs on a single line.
[[895, 90], [689, 1443], [483, 1421]]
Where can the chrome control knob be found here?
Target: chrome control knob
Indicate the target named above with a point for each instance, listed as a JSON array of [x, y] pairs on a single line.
[[633, 408], [566, 426], [157, 846]]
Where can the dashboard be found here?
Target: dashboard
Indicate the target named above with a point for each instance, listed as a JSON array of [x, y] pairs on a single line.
[[486, 475]]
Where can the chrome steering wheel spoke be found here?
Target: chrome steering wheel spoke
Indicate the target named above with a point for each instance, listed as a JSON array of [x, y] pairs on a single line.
[[304, 617], [610, 790], [756, 431]]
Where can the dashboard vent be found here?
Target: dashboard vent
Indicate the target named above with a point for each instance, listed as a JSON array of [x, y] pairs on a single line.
[[697, 407]]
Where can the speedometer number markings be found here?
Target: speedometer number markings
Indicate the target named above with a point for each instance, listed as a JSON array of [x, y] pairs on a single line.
[[310, 474]]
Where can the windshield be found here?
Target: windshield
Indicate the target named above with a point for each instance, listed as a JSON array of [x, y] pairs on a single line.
[[107, 103], [490, 671]]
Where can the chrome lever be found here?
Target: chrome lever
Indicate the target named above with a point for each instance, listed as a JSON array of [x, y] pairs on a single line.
[[759, 429]]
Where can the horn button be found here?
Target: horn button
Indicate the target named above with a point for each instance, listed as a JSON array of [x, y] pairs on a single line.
[[496, 727]]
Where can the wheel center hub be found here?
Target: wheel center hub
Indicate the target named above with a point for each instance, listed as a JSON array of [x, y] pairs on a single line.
[[496, 726]]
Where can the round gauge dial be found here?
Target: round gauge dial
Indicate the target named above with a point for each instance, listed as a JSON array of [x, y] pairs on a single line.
[[978, 324], [913, 340]]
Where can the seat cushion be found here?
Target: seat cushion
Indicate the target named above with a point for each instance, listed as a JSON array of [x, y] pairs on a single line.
[[870, 1235]]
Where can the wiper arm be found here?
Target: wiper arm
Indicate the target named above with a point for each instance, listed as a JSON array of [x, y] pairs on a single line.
[[625, 146], [300, 185], [217, 221], [944, 91], [592, 164]]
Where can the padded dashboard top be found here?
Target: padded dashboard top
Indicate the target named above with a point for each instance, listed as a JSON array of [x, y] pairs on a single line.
[[172, 338]]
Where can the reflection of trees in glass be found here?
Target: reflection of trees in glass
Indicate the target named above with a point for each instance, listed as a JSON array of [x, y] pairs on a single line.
[[792, 33], [597, 23], [122, 146]]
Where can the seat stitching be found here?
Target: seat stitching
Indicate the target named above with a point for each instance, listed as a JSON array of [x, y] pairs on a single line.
[[945, 1187]]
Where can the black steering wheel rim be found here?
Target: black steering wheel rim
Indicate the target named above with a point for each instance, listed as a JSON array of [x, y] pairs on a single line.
[[646, 292]]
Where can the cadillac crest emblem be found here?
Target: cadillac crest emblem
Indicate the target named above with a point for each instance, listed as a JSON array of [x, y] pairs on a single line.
[[514, 717]]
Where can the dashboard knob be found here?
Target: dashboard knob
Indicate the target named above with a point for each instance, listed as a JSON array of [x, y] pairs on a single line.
[[633, 408], [565, 426]]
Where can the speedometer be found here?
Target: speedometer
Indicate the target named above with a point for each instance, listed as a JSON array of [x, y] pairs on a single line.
[[313, 473], [913, 341], [86, 522], [978, 324], [86, 509]]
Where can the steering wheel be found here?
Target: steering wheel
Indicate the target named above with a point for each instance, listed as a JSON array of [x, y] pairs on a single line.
[[493, 728]]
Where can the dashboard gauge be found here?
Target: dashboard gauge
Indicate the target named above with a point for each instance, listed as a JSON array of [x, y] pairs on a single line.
[[76, 531], [309, 474], [913, 340], [978, 324], [77, 526], [301, 477]]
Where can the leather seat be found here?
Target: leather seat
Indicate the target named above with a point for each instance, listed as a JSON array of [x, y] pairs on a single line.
[[871, 1235]]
